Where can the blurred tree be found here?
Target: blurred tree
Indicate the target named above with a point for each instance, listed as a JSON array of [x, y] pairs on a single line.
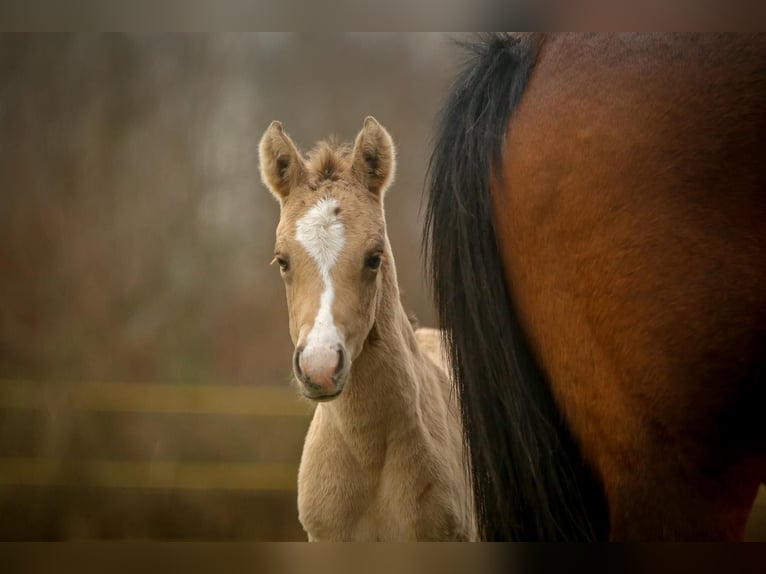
[[134, 230]]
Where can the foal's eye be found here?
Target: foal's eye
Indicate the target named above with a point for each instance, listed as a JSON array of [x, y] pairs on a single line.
[[283, 263], [372, 261]]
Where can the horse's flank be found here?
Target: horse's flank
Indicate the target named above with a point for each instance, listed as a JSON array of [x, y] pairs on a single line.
[[638, 266]]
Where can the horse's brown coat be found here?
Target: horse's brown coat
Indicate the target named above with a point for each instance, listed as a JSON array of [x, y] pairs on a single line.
[[632, 226]]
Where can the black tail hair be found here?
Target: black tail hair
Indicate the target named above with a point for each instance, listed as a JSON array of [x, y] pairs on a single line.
[[529, 480]]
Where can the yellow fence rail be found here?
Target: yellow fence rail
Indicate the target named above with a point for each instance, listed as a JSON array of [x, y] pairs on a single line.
[[160, 474], [154, 398]]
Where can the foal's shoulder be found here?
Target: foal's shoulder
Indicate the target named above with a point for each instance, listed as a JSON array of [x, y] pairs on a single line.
[[428, 339], [431, 344]]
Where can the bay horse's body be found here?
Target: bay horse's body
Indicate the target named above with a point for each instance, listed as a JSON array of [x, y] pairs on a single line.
[[596, 230], [383, 458]]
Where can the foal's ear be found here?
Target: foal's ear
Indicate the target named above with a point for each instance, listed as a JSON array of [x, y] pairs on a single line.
[[282, 167], [374, 160]]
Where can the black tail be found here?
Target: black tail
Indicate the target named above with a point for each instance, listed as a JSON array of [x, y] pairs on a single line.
[[528, 476]]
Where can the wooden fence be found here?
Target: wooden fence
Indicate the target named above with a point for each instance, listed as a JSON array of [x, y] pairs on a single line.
[[157, 461], [146, 461]]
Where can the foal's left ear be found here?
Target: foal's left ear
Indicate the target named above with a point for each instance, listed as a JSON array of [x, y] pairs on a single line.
[[374, 160]]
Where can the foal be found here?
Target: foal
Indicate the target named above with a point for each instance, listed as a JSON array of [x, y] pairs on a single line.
[[383, 457]]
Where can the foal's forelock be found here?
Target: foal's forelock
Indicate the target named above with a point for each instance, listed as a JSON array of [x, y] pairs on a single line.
[[321, 233]]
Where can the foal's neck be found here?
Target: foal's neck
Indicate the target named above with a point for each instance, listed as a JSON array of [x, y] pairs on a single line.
[[382, 394]]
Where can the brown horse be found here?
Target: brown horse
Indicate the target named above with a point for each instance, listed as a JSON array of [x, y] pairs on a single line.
[[596, 233]]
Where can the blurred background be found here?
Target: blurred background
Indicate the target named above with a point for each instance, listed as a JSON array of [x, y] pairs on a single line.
[[144, 352]]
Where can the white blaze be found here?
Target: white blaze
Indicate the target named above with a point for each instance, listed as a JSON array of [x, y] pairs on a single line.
[[321, 234]]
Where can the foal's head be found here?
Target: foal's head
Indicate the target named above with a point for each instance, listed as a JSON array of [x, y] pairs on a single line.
[[331, 245]]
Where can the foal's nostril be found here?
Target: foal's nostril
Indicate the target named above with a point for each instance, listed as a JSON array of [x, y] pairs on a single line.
[[297, 362], [341, 360]]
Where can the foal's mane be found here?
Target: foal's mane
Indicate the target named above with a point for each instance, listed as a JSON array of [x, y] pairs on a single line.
[[329, 160]]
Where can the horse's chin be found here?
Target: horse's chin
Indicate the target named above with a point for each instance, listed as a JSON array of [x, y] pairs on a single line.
[[322, 397]]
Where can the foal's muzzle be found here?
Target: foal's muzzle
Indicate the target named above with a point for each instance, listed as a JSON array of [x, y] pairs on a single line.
[[322, 371]]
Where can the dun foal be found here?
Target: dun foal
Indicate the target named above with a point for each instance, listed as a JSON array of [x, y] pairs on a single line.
[[383, 457]]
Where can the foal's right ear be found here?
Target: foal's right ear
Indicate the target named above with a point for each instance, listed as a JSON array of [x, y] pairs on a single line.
[[282, 167]]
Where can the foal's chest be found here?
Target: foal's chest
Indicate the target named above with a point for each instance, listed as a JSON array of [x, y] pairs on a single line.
[[356, 509], [339, 498]]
